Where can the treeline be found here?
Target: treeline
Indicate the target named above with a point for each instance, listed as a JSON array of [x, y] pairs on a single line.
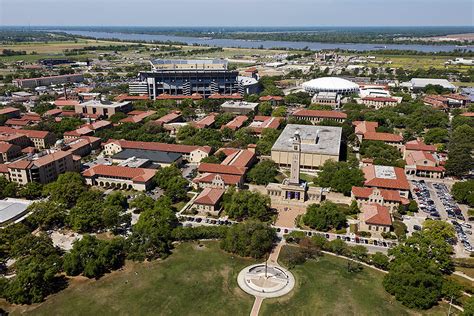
[[11, 52], [41, 268]]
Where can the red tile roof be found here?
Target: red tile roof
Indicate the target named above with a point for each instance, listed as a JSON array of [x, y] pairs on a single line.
[[126, 97], [271, 98], [236, 123], [217, 96], [261, 122], [229, 179], [385, 137], [135, 174], [362, 127], [3, 168], [238, 157], [5, 147], [416, 157], [53, 112], [138, 117], [165, 96], [430, 168], [26, 132], [399, 182], [9, 110], [221, 169], [209, 196], [17, 122], [206, 121], [380, 99], [185, 149], [388, 195], [320, 113], [61, 103], [419, 145], [376, 214], [170, 117]]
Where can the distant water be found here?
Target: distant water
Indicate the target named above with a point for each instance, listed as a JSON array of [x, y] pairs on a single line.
[[264, 44]]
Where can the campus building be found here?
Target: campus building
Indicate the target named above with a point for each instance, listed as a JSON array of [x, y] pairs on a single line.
[[39, 139], [294, 193], [318, 144], [192, 154], [47, 81], [316, 116], [120, 177], [43, 169], [103, 108], [186, 77], [388, 178]]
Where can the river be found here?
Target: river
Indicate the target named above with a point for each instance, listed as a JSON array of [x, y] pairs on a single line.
[[265, 44]]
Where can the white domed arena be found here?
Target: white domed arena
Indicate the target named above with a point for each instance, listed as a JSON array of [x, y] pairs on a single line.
[[331, 84]]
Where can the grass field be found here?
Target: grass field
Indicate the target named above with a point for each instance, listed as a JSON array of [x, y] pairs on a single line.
[[413, 62], [192, 281], [202, 281], [324, 287]]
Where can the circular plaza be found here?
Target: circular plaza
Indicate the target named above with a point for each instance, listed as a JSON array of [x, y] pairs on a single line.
[[266, 281]]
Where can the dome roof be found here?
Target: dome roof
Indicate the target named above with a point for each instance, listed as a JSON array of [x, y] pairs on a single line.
[[330, 84]]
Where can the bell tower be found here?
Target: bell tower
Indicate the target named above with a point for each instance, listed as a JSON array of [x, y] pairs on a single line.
[[295, 160]]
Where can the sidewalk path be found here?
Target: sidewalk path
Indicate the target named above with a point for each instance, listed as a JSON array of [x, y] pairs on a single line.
[[273, 259], [256, 306]]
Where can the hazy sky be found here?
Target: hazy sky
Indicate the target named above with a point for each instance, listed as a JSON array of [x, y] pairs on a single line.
[[237, 12]]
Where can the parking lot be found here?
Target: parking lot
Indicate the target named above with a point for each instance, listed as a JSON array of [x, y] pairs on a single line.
[[436, 203]]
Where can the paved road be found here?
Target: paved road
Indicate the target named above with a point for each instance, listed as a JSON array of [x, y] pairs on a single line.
[[458, 248], [372, 244]]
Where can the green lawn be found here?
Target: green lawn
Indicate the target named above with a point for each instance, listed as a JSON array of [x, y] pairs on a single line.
[[324, 287], [192, 281], [202, 281]]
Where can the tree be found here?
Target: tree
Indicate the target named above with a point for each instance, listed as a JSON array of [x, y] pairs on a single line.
[[265, 108], [436, 135], [241, 205], [142, 202], [468, 307], [324, 216], [380, 260], [249, 239], [151, 236], [463, 192], [383, 154], [339, 176], [31, 190], [359, 252], [66, 189], [338, 246], [265, 143], [460, 146], [263, 173], [117, 117], [47, 215], [415, 272], [171, 180], [416, 286], [279, 111], [93, 257], [35, 279], [85, 216]]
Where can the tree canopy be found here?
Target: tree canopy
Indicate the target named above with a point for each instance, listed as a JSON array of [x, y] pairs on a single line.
[[249, 239], [263, 173], [324, 216], [339, 176]]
